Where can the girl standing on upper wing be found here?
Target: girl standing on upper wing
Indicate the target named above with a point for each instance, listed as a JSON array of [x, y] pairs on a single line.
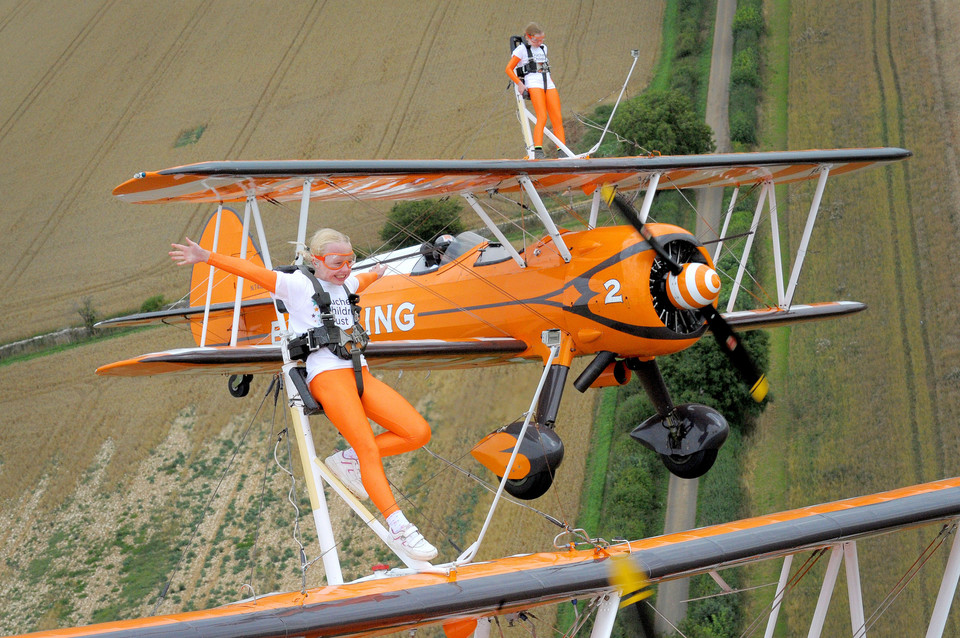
[[332, 379], [538, 81]]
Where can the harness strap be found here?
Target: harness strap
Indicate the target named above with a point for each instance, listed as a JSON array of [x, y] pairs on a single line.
[[322, 298], [533, 66]]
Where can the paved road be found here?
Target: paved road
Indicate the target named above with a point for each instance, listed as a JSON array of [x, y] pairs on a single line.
[[682, 493]]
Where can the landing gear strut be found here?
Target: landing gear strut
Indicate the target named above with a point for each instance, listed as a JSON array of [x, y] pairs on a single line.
[[687, 437], [541, 449]]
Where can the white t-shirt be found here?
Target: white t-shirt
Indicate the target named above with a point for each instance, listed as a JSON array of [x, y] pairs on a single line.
[[534, 80], [296, 292]]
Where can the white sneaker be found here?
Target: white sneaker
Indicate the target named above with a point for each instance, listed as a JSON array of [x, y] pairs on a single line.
[[348, 471], [414, 544]]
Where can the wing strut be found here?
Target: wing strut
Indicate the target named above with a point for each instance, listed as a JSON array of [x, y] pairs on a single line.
[[304, 214], [802, 249], [652, 184], [948, 587], [767, 186], [544, 216], [778, 598], [768, 197], [244, 233], [482, 214], [251, 208], [206, 306], [726, 223]]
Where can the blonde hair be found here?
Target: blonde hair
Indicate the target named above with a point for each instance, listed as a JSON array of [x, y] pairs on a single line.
[[533, 29], [323, 238]]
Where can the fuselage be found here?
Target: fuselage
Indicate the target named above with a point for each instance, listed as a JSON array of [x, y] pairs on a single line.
[[602, 297]]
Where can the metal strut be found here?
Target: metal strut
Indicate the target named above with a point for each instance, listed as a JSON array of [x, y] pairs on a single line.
[[554, 350]]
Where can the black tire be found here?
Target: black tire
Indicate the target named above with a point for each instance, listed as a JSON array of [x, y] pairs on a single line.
[[530, 487], [691, 466], [239, 385]]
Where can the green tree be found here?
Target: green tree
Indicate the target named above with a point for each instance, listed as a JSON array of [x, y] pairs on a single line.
[[413, 222], [663, 121]]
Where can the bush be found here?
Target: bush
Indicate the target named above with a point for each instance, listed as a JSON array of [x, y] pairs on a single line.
[[742, 129], [89, 315], [747, 20], [153, 304], [665, 121], [411, 223], [746, 68]]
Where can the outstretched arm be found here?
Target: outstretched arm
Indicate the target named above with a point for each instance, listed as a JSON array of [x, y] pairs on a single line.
[[189, 253], [193, 253], [367, 278]]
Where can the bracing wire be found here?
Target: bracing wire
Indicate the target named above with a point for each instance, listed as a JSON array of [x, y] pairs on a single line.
[[411, 234], [208, 506], [925, 555], [254, 554]]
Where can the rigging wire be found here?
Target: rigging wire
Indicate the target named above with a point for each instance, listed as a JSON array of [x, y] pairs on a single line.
[[905, 580], [208, 506], [292, 498], [794, 580], [275, 386]]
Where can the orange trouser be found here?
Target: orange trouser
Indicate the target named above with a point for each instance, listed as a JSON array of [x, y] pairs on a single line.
[[546, 103], [336, 390]]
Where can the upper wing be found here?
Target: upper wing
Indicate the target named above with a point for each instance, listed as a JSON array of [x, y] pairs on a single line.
[[418, 179]]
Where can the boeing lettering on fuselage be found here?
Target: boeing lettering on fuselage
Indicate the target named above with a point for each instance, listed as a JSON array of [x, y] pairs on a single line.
[[381, 319]]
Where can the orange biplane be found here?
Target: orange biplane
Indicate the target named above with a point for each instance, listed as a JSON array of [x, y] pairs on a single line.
[[622, 295]]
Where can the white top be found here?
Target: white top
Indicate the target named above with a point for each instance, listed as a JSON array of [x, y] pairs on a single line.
[[534, 80], [296, 292]]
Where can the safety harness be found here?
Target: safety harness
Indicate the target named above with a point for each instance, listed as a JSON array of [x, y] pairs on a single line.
[[345, 344], [531, 66]]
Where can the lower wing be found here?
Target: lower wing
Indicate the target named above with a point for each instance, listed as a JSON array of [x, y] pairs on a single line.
[[428, 354]]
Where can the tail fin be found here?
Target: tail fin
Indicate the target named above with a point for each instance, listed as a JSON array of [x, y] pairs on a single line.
[[254, 326]]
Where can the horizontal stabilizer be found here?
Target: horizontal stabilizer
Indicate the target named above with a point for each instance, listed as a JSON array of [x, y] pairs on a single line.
[[798, 313]]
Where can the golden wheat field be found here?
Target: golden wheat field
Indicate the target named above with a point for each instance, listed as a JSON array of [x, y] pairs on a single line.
[[93, 92], [96, 91]]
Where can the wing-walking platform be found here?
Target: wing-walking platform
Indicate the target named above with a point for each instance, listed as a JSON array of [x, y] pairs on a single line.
[[401, 600]]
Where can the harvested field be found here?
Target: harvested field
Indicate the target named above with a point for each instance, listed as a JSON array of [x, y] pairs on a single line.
[[96, 91], [871, 403]]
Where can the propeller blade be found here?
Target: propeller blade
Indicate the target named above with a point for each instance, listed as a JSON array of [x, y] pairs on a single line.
[[729, 342], [626, 209], [724, 334]]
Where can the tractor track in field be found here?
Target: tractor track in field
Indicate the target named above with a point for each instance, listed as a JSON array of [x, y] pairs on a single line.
[[264, 101], [415, 71], [13, 15], [907, 248], [54, 70], [78, 186], [576, 44]]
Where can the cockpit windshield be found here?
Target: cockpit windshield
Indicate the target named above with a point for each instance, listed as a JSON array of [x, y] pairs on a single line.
[[443, 250]]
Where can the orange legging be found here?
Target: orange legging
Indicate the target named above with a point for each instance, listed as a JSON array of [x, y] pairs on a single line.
[[544, 105], [336, 390]]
